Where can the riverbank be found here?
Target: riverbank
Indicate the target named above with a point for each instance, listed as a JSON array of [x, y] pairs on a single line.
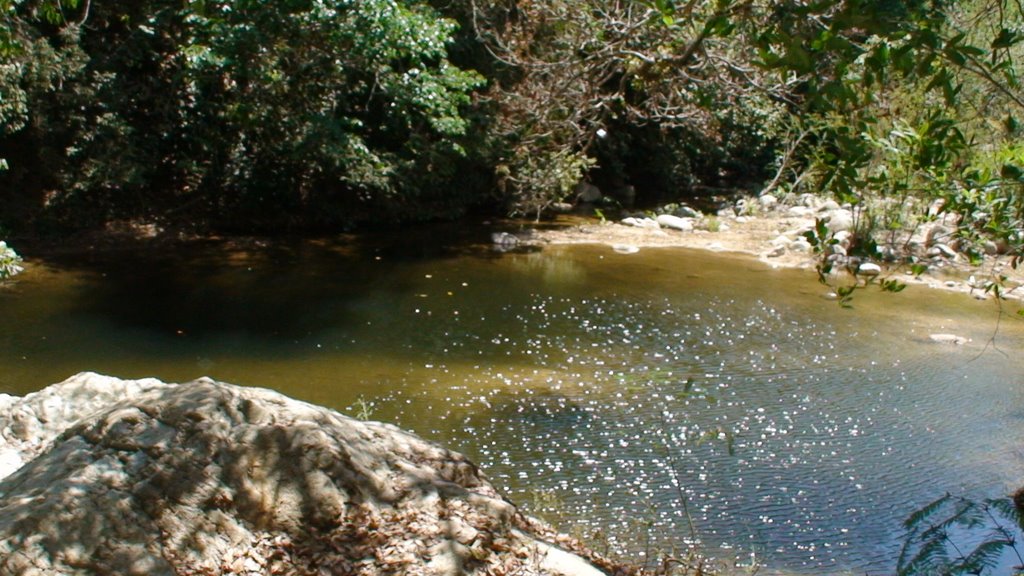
[[775, 238]]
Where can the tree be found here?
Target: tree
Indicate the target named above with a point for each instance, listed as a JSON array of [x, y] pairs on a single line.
[[574, 84], [261, 113]]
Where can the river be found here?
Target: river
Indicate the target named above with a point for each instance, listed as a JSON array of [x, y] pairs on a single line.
[[643, 400]]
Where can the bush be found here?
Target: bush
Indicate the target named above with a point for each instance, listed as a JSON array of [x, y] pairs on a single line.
[[10, 262]]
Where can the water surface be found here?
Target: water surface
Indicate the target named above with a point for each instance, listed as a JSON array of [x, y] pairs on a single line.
[[653, 398]]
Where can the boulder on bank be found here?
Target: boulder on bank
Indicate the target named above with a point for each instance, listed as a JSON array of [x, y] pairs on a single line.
[[142, 477]]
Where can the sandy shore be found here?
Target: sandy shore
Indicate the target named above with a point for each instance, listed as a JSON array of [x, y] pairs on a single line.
[[759, 236]]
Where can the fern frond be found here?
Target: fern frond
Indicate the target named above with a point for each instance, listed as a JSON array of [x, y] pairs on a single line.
[[925, 511], [971, 515], [986, 556], [1005, 508], [929, 558], [966, 513]]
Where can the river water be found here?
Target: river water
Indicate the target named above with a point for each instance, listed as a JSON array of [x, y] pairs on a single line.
[[644, 401]]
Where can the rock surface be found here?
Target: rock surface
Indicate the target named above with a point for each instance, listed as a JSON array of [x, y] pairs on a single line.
[[142, 477]]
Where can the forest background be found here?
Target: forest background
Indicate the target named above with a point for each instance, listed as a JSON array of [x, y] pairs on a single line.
[[258, 116]]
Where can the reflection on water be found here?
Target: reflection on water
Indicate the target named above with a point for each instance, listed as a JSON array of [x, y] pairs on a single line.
[[646, 393]]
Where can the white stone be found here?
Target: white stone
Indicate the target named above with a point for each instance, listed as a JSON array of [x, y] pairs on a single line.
[[869, 269], [625, 248], [768, 201], [948, 339], [675, 222]]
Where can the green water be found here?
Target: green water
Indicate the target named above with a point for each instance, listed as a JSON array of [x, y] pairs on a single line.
[[564, 372]]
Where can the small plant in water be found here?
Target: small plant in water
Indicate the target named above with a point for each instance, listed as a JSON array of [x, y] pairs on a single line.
[[958, 536], [361, 409], [824, 242]]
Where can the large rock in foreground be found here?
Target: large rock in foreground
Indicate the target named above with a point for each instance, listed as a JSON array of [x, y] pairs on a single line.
[[144, 477]]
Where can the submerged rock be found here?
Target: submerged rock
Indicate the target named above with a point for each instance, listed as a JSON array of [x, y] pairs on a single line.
[[948, 339], [142, 477]]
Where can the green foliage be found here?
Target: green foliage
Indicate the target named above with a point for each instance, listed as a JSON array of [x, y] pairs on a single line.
[[10, 262], [958, 536], [320, 112], [901, 106], [254, 111]]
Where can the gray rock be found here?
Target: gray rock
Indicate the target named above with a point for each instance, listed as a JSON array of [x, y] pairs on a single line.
[[29, 424], [686, 212], [839, 220], [944, 251], [800, 211], [935, 208], [587, 192], [210, 478], [626, 195], [829, 205], [504, 240], [844, 238], [938, 234], [768, 202], [808, 200], [801, 245]]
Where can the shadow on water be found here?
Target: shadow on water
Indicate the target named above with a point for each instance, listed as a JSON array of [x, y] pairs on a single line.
[[270, 290]]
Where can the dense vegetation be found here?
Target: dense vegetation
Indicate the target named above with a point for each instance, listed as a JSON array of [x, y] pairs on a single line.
[[318, 114]]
